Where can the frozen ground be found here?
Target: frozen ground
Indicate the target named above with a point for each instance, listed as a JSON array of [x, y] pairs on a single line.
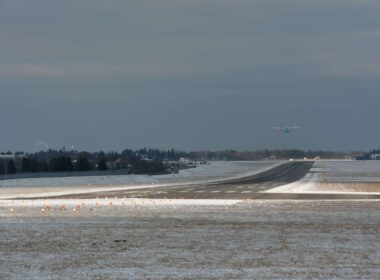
[[345, 171], [117, 238], [349, 177], [215, 171], [246, 240]]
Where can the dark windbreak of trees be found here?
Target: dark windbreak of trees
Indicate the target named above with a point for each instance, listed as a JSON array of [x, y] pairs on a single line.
[[32, 164], [8, 167], [11, 167], [83, 164], [145, 160], [280, 154], [61, 164], [102, 164]]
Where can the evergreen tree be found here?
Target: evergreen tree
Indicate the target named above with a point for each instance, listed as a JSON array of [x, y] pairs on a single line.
[[2, 168], [102, 164], [26, 165], [83, 164], [29, 165], [11, 167], [43, 166], [61, 164]]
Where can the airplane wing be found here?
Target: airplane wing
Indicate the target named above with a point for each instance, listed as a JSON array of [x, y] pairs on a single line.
[[276, 127], [294, 127]]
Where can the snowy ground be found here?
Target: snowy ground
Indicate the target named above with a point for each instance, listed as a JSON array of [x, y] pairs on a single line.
[[349, 177], [345, 171], [247, 240], [338, 177], [215, 171], [117, 238]]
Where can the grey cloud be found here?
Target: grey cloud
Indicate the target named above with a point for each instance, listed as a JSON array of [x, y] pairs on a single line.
[[189, 74]]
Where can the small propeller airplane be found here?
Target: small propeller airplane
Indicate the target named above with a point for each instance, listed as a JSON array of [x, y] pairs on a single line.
[[286, 129]]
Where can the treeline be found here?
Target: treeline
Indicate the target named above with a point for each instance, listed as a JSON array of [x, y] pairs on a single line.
[[144, 161], [277, 154], [372, 155]]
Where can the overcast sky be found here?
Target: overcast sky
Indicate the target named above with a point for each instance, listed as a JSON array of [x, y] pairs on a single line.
[[190, 75]]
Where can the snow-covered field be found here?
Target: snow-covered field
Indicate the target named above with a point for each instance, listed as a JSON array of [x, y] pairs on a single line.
[[248, 240], [215, 171], [345, 171], [51, 206], [349, 177], [137, 238]]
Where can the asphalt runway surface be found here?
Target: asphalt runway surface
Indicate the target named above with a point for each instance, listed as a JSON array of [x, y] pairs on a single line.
[[243, 188], [251, 187]]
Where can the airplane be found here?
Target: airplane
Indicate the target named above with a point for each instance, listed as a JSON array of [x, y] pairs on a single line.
[[285, 129]]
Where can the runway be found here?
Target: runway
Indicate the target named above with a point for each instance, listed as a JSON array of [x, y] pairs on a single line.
[[244, 188]]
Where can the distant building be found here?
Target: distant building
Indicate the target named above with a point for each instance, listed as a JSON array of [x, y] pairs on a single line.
[[7, 156], [118, 164], [184, 160], [375, 156]]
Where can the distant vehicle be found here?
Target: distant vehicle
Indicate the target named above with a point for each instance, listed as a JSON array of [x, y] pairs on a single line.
[[286, 129]]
